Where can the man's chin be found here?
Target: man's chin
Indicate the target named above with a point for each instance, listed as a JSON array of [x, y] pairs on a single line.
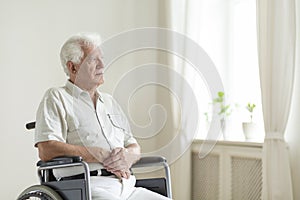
[[100, 82]]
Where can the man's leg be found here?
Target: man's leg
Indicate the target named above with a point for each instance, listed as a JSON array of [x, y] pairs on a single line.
[[101, 194], [142, 193], [105, 188]]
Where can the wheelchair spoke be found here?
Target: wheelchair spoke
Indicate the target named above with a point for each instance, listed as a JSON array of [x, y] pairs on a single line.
[[39, 192]]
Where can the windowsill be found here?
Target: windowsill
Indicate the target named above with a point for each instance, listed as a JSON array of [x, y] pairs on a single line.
[[234, 132], [244, 143]]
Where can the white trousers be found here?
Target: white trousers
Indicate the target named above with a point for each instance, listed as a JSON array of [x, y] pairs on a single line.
[[111, 188]]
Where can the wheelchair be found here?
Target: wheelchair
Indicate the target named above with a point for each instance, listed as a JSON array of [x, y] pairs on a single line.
[[79, 188]]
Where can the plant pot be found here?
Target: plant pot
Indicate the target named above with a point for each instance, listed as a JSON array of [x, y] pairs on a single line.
[[250, 130], [224, 129]]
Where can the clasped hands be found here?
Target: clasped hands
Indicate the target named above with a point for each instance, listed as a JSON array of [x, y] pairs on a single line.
[[119, 162]]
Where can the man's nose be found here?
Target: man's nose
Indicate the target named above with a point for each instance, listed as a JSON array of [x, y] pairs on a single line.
[[100, 62]]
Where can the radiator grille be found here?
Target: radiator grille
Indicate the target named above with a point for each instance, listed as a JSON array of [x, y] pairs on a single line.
[[226, 176], [246, 178], [205, 179]]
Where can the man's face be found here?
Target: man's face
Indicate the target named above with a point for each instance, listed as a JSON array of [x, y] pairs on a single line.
[[90, 73]]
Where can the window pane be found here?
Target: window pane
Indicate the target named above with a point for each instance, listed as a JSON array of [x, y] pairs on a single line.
[[226, 30]]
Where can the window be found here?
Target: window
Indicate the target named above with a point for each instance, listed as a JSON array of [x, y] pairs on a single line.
[[226, 30]]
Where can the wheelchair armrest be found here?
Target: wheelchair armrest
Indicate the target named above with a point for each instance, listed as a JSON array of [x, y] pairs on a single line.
[[59, 161], [45, 171], [149, 161], [30, 125]]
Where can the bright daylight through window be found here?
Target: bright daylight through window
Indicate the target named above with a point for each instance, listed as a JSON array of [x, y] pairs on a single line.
[[226, 30]]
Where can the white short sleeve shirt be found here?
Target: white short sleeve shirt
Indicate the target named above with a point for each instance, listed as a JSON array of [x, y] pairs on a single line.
[[67, 114]]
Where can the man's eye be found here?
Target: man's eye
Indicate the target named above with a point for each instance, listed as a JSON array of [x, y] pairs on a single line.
[[92, 60]]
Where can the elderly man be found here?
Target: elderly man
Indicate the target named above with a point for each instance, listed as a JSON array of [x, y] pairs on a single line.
[[78, 120]]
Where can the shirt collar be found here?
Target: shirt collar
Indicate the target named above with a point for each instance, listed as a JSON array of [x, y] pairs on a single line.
[[100, 97], [76, 91]]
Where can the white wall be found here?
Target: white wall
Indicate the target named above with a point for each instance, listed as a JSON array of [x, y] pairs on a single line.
[[293, 127], [32, 32]]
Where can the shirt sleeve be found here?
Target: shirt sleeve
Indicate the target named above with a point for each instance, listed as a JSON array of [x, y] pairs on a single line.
[[50, 119]]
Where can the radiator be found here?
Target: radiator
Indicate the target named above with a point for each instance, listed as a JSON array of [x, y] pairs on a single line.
[[228, 172]]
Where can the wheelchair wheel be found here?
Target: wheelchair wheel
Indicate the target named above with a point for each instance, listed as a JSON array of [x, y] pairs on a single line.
[[39, 192]]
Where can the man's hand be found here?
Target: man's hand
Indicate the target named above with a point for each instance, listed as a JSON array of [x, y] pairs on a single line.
[[97, 154], [121, 159], [122, 174]]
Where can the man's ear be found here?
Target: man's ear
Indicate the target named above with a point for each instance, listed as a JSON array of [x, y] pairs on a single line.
[[71, 67]]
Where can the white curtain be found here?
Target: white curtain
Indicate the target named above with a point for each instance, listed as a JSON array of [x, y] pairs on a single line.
[[276, 48]]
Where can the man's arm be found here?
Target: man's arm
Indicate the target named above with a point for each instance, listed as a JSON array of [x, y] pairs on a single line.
[[51, 149], [134, 149], [135, 152]]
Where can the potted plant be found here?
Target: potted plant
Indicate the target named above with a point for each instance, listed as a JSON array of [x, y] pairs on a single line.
[[223, 110], [249, 128]]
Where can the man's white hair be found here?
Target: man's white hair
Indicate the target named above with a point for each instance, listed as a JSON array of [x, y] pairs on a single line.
[[72, 49]]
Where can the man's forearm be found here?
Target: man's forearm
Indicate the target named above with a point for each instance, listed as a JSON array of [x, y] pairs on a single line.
[[51, 149], [135, 150]]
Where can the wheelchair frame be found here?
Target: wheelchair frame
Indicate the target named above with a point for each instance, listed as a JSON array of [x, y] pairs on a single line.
[[79, 189], [63, 188]]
